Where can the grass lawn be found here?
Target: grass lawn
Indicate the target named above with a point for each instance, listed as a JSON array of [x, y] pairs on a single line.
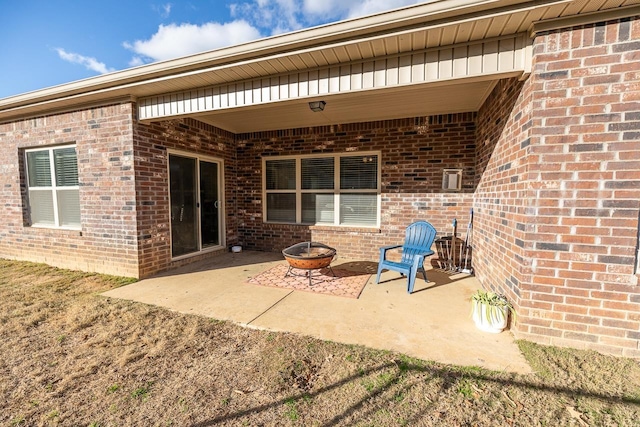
[[72, 357]]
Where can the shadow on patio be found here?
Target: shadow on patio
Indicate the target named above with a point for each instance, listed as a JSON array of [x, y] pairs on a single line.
[[433, 323]]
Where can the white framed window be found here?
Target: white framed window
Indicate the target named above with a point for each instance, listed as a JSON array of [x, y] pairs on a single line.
[[53, 188], [334, 189]]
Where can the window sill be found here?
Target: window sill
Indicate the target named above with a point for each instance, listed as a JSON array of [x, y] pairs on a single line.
[[55, 229], [345, 229], [333, 228]]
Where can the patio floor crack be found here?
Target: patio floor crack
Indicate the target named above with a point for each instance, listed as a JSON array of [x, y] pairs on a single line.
[[269, 309]]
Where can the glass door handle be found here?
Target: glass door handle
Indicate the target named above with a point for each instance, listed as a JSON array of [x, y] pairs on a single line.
[[216, 204]]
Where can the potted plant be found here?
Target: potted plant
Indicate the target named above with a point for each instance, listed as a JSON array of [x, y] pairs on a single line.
[[490, 311]]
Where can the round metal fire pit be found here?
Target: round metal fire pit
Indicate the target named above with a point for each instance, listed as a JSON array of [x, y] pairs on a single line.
[[309, 256]]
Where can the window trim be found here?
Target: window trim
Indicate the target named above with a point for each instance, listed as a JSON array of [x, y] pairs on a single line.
[[637, 256], [53, 188], [336, 191]]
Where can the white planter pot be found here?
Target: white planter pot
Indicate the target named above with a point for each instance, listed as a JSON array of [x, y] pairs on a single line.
[[492, 319]]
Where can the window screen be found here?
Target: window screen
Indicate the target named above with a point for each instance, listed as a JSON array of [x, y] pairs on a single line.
[[359, 172], [39, 166], [54, 194], [281, 175], [66, 164], [317, 174]]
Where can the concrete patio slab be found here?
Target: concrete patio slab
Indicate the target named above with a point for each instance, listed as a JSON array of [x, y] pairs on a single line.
[[433, 323]]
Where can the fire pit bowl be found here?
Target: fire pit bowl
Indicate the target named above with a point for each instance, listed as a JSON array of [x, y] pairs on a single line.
[[309, 255]]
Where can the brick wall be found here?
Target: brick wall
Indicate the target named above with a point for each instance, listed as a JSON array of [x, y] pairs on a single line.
[[502, 198], [152, 184], [107, 241], [413, 152], [574, 238]]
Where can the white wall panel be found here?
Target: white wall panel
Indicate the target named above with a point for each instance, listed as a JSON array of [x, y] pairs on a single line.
[[445, 64], [224, 97], [303, 85], [294, 86], [265, 90], [392, 71], [323, 81], [417, 67], [345, 78], [380, 73], [460, 61], [334, 80], [236, 93], [274, 93], [284, 88], [248, 93], [356, 76], [367, 75], [490, 57], [314, 83], [404, 70], [432, 65], [474, 59], [506, 55]]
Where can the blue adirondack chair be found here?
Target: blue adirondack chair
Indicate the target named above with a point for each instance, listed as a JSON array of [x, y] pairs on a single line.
[[417, 245]]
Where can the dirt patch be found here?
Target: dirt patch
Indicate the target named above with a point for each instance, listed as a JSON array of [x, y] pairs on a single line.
[[72, 357]]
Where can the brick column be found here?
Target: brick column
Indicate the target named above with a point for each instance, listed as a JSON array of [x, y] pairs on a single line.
[[560, 194]]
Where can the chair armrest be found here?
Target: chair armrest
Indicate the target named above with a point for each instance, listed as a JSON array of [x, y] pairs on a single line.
[[418, 259], [384, 249], [426, 253]]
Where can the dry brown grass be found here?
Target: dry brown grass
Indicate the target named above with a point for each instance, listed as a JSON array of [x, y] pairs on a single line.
[[72, 357]]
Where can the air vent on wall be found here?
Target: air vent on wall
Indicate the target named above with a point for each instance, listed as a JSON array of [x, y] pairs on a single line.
[[452, 179]]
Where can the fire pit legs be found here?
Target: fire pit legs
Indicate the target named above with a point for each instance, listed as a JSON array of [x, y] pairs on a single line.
[[307, 272]]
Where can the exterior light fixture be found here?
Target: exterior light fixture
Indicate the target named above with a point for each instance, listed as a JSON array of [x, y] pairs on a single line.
[[317, 106]]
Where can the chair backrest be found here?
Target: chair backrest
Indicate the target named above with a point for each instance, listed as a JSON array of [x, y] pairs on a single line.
[[418, 239]]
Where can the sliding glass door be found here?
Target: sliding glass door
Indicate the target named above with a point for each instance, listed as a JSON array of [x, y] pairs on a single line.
[[194, 190], [209, 205]]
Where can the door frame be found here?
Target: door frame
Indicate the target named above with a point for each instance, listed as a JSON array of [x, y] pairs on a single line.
[[221, 196]]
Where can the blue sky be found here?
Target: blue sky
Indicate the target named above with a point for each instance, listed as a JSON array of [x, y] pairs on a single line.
[[45, 43]]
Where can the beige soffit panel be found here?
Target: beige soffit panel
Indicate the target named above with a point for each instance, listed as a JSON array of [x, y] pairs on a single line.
[[584, 19], [501, 55], [445, 97]]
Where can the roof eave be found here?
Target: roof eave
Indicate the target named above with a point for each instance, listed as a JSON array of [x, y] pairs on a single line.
[[343, 30]]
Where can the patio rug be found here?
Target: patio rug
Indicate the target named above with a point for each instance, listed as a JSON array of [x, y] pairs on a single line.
[[346, 283]]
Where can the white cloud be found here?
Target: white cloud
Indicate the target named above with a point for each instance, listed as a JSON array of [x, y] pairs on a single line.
[[136, 61], [89, 62], [344, 9], [250, 19], [278, 16], [164, 9], [171, 41], [275, 16], [368, 7]]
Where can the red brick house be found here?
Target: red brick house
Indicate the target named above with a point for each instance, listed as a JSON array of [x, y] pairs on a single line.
[[526, 111]]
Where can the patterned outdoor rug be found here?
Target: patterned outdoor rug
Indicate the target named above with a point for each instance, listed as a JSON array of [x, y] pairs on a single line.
[[346, 283]]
